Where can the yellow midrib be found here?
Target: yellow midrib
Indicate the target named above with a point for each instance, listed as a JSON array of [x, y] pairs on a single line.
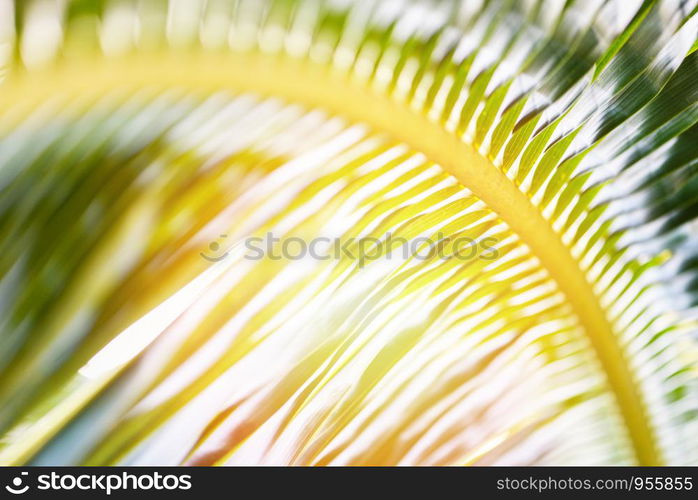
[[315, 85]]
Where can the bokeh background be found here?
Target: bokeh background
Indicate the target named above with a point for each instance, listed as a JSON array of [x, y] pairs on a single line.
[[142, 140]]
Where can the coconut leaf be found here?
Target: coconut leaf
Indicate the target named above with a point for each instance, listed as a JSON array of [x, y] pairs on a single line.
[[145, 144]]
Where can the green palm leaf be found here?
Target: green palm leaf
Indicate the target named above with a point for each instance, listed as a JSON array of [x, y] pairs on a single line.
[[137, 136]]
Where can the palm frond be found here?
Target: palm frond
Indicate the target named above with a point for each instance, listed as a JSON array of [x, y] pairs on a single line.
[[134, 134]]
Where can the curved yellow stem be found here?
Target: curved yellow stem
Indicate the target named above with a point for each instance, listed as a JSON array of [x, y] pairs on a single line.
[[319, 86]]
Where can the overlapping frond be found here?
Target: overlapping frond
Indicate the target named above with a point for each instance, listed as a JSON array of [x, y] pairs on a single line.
[[136, 133]]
